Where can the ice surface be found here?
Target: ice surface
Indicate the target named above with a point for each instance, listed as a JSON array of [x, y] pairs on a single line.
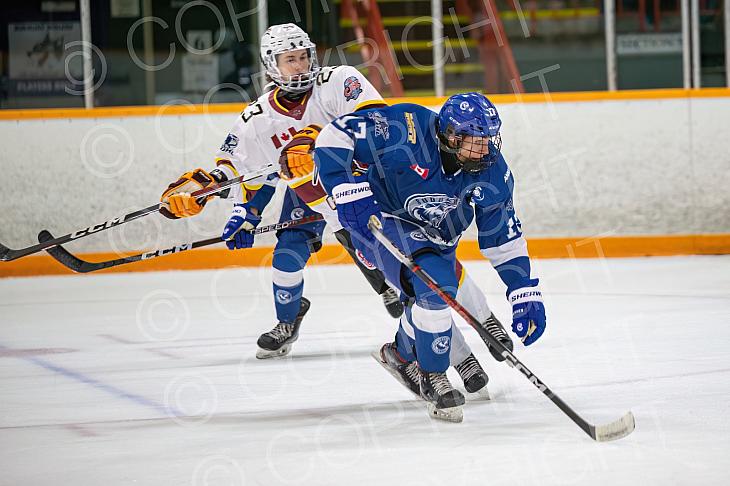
[[150, 379]]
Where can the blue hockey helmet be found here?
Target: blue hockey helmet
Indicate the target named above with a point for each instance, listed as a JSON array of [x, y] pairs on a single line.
[[470, 115]]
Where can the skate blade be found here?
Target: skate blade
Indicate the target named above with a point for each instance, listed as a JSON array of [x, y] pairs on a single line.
[[452, 414], [376, 356], [267, 353]]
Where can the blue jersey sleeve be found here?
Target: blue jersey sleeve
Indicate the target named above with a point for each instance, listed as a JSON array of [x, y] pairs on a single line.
[[500, 237], [344, 147]]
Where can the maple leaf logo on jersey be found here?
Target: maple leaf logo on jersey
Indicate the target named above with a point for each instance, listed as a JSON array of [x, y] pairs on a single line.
[[353, 88], [431, 208], [284, 136], [420, 171]]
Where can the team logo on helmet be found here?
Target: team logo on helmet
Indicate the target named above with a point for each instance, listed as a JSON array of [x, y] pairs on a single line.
[[464, 105], [431, 208], [353, 88]]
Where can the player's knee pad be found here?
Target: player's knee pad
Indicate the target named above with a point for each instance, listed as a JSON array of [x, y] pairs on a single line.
[[441, 269], [292, 250]]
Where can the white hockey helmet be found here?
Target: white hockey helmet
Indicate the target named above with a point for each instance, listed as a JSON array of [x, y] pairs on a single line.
[[282, 38]]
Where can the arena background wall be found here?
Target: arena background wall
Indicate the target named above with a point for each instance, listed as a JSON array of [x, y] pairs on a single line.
[[597, 174]]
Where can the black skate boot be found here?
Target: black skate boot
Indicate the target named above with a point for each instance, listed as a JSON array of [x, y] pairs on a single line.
[[392, 302], [474, 377], [278, 341], [444, 401], [495, 328], [404, 371]]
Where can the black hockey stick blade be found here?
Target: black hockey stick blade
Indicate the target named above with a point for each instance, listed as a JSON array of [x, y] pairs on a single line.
[[602, 433], [66, 258], [4, 252]]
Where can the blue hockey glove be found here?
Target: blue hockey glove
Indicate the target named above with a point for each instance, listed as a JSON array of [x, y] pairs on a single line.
[[528, 314], [237, 231], [355, 205]]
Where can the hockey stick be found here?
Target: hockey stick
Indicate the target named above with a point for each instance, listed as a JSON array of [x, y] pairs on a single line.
[[601, 433], [66, 258], [9, 254]]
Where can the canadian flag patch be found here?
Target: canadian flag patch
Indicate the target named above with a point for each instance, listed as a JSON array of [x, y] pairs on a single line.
[[420, 171], [276, 139]]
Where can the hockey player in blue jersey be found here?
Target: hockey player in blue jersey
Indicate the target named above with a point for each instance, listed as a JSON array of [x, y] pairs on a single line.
[[427, 176]]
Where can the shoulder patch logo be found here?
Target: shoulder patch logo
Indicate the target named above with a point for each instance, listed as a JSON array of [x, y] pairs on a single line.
[[353, 88], [382, 128], [230, 144]]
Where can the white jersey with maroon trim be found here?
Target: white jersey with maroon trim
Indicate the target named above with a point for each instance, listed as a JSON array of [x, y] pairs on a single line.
[[265, 126]]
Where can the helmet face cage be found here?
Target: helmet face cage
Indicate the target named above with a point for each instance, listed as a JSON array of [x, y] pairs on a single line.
[[470, 114], [475, 159], [280, 39]]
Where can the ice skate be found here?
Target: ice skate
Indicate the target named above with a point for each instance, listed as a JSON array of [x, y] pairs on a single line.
[[444, 401], [406, 372], [495, 328], [278, 342], [392, 302], [473, 375]]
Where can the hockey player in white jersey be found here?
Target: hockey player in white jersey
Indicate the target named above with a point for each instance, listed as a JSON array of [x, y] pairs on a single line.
[[302, 94]]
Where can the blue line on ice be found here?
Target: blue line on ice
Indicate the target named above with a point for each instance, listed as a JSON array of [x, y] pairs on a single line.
[[112, 390]]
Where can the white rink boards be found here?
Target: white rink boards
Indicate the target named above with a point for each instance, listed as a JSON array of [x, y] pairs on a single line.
[[150, 379]]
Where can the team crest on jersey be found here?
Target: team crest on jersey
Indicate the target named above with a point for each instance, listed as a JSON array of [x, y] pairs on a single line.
[[382, 129], [431, 208], [353, 88], [230, 144]]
